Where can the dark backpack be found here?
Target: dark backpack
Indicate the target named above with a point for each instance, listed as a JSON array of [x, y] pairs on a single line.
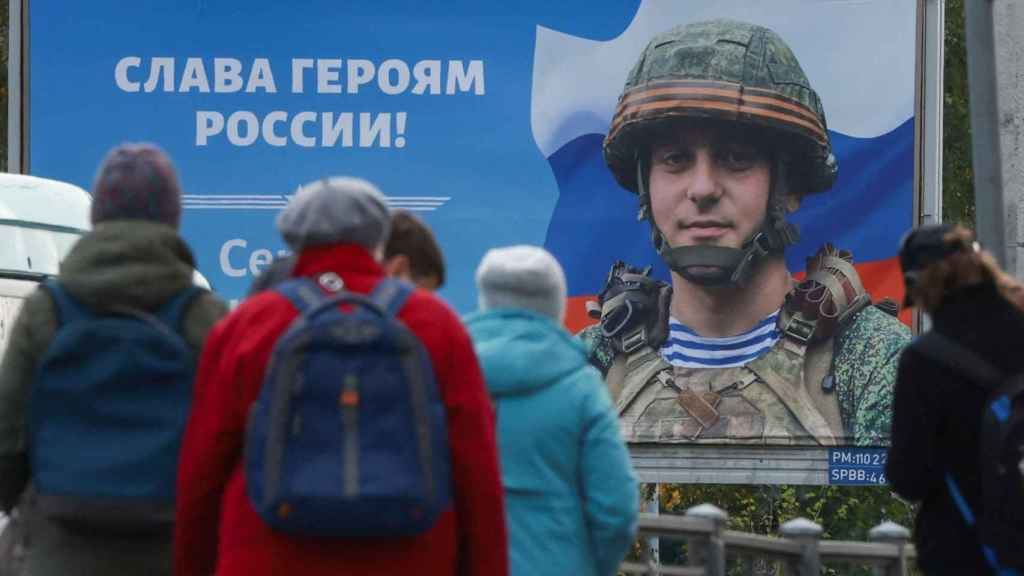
[[1000, 523], [107, 411], [348, 437]]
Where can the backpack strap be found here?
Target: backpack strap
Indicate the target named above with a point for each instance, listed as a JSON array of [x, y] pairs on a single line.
[[302, 292], [307, 297], [390, 294], [952, 355], [968, 515], [172, 313], [949, 353], [959, 500], [68, 309]]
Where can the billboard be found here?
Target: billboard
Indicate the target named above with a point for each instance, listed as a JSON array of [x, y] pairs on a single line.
[[492, 123]]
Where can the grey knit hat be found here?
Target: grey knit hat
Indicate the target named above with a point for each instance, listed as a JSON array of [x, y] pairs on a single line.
[[137, 182], [522, 277], [335, 211]]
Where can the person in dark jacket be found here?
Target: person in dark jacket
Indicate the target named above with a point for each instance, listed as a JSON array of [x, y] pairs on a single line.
[[337, 227], [133, 257], [937, 415], [570, 491]]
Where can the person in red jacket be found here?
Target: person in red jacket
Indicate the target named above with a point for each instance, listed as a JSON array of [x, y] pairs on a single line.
[[335, 225]]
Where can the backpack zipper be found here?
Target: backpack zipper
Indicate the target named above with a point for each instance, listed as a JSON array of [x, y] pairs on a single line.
[[349, 402]]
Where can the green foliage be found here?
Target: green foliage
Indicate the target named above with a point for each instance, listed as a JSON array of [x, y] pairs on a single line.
[[844, 512], [957, 176]]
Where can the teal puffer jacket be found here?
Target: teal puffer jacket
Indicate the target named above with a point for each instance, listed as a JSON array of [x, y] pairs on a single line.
[[571, 496]]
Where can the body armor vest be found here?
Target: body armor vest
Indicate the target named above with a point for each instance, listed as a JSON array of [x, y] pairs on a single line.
[[785, 396], [778, 398]]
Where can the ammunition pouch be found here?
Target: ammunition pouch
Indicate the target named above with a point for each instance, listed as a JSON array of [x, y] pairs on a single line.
[[633, 309], [829, 296]]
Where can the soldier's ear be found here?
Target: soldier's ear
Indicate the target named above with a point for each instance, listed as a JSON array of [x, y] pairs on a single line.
[[782, 185]]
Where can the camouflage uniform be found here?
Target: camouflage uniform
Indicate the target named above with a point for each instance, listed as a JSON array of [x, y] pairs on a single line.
[[829, 379], [851, 374]]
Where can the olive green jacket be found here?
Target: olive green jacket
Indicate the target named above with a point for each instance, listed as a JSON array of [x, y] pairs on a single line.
[[129, 263]]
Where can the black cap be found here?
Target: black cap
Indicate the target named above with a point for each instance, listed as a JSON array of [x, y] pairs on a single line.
[[920, 248]]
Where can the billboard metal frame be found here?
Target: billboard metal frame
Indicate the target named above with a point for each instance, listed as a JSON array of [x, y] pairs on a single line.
[[17, 86]]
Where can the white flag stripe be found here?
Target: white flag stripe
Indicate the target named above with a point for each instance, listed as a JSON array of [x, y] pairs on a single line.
[[859, 56]]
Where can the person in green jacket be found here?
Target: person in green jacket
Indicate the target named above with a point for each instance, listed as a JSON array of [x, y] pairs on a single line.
[[133, 257], [571, 495], [720, 135]]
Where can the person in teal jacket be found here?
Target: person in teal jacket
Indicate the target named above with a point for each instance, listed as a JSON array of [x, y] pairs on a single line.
[[571, 495]]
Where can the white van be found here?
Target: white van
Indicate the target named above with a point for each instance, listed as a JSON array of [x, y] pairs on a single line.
[[40, 220]]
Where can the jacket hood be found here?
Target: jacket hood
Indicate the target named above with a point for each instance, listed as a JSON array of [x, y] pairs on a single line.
[[979, 318], [128, 262], [521, 351]]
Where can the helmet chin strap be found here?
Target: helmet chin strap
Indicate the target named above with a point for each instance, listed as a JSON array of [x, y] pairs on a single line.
[[719, 265]]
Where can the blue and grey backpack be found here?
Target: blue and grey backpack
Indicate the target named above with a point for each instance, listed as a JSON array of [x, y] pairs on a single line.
[[999, 523], [348, 437], [107, 411]]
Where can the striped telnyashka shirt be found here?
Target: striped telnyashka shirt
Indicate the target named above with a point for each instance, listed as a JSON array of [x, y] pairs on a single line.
[[686, 349]]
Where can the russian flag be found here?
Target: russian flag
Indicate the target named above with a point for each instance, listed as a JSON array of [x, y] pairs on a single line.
[[859, 57]]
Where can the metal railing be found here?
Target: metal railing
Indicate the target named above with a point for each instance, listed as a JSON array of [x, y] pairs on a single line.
[[800, 550]]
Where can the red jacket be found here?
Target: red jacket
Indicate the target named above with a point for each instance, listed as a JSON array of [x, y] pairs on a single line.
[[218, 529]]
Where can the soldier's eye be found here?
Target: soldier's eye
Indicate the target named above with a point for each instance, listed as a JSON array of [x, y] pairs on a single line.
[[738, 157], [673, 158]]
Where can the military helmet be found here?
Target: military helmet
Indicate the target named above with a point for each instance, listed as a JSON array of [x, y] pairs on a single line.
[[725, 70]]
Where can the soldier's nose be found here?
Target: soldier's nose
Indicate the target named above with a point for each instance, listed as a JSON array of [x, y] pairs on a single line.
[[703, 188]]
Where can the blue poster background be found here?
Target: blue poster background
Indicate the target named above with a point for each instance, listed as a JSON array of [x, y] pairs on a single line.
[[478, 152]]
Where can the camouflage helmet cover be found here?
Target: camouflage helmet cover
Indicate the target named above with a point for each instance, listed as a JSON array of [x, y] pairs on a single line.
[[726, 70]]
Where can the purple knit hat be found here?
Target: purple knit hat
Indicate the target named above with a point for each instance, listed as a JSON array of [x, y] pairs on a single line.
[[137, 182]]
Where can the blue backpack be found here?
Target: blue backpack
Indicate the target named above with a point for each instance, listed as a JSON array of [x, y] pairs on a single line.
[[107, 411], [999, 523], [348, 437]]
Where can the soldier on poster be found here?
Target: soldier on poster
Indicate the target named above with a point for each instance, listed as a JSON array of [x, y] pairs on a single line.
[[720, 135]]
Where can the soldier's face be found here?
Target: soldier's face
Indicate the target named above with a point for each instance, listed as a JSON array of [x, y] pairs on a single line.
[[708, 186]]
